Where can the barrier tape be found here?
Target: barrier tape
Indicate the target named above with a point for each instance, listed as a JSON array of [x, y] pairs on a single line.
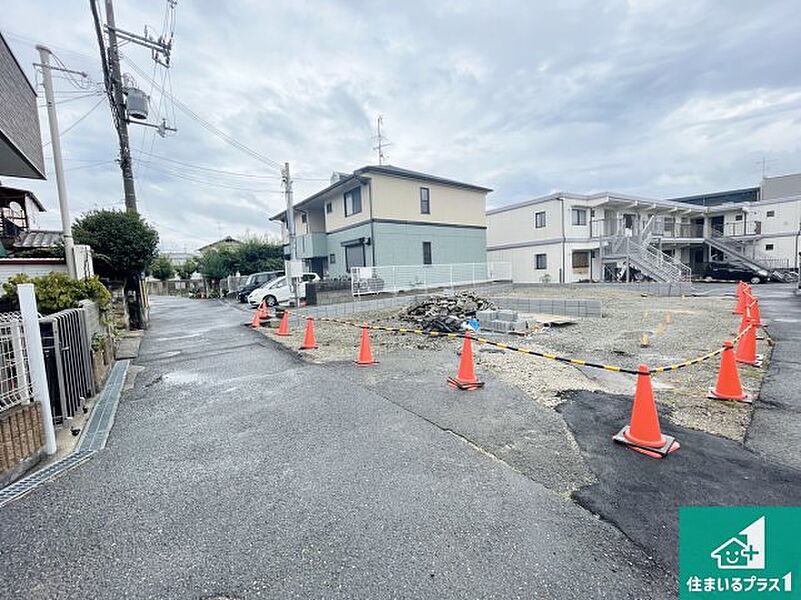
[[549, 356]]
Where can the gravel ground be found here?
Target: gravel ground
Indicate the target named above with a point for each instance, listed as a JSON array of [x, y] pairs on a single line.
[[677, 329]]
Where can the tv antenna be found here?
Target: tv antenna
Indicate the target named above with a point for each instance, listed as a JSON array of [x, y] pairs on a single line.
[[383, 141]]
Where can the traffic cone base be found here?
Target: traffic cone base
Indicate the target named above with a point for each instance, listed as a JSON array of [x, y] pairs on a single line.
[[464, 385], [670, 445], [756, 362], [713, 395], [365, 358]]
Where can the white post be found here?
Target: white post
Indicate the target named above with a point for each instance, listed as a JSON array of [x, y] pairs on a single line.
[[36, 364]]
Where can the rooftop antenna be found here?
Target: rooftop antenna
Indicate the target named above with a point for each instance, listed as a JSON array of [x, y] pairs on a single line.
[[383, 142]]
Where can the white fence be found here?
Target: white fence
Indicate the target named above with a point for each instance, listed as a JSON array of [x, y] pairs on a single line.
[[15, 381], [407, 278]]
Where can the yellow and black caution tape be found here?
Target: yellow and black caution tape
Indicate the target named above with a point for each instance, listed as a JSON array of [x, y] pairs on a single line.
[[549, 356]]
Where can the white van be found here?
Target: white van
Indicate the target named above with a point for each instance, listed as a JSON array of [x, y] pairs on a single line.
[[278, 291]]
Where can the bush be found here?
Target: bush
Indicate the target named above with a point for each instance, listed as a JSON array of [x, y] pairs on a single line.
[[162, 268], [124, 245], [58, 291]]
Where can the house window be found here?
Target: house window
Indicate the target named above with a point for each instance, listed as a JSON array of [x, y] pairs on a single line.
[[304, 218], [425, 201], [355, 256], [771, 213], [768, 246], [541, 261], [738, 217], [332, 259], [329, 207], [426, 253], [353, 202], [539, 219], [579, 216]]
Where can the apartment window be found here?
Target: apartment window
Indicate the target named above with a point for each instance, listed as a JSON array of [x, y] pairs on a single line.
[[539, 219], [425, 201], [768, 247], [738, 217], [541, 260], [353, 202], [426, 253], [304, 218], [332, 259], [329, 207], [579, 216], [771, 213]]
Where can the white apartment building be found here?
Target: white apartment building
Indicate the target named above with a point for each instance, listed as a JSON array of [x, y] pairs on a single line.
[[565, 237]]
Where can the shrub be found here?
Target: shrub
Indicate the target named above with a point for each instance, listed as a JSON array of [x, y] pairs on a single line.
[[58, 291]]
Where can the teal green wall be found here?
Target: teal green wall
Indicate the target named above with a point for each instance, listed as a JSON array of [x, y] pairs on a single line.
[[399, 244]]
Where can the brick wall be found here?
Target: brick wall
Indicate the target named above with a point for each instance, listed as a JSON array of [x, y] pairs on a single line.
[[21, 436]]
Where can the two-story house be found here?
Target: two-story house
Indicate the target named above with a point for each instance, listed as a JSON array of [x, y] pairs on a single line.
[[385, 215]]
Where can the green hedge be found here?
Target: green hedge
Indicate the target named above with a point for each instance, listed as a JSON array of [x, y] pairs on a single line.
[[58, 291]]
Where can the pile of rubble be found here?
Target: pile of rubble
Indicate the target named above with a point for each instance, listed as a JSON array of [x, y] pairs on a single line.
[[446, 313]]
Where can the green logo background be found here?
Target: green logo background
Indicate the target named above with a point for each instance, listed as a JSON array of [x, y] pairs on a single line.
[[703, 529]]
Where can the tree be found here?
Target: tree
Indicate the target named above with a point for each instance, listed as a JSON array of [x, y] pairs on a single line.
[[162, 268], [255, 254], [216, 264], [124, 245], [186, 270]]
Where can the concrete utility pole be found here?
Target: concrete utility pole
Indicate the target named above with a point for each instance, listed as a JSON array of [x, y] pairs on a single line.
[[290, 227], [119, 100], [55, 141]]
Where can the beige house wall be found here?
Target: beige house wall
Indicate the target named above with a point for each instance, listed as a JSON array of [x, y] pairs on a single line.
[[398, 199]]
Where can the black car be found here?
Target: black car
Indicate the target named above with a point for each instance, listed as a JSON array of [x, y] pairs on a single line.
[[727, 272], [256, 280]]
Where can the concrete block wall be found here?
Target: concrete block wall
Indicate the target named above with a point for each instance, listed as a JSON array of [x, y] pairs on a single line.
[[552, 306], [645, 287]]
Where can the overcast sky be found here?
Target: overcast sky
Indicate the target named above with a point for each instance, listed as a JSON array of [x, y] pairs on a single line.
[[650, 97]]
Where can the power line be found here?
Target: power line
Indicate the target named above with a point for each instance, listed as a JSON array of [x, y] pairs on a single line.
[[77, 121]]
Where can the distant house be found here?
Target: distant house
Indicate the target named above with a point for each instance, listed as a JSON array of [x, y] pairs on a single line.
[[226, 242], [385, 215]]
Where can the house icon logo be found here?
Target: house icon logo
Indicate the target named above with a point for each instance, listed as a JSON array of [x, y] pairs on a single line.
[[746, 550]]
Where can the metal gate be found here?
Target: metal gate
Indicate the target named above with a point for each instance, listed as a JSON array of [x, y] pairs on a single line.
[[68, 361]]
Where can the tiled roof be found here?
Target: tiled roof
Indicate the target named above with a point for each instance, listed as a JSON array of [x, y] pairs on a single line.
[[37, 239]]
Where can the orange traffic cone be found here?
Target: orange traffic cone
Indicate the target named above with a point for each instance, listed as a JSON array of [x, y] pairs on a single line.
[[643, 433], [754, 306], [728, 386], [746, 347], [365, 357], [283, 327], [255, 321], [466, 377], [308, 340], [739, 309], [744, 321], [263, 311]]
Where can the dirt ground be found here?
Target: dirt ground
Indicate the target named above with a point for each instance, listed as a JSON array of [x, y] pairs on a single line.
[[635, 329]]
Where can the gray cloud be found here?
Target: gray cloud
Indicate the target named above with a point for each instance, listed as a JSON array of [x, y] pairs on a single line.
[[642, 96]]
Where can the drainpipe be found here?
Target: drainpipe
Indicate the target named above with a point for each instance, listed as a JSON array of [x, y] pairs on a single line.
[[564, 239], [372, 225]]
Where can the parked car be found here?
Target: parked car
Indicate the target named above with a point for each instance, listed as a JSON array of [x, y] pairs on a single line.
[[278, 290], [256, 280], [734, 273]]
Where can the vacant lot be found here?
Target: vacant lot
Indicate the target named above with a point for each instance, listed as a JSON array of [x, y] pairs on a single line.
[[635, 329]]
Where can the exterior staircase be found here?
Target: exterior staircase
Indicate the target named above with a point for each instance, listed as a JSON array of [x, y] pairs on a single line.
[[736, 253], [637, 251]]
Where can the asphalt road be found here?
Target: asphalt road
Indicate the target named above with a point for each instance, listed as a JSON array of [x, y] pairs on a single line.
[[236, 471]]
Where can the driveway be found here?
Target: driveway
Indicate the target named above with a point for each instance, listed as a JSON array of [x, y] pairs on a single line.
[[236, 471]]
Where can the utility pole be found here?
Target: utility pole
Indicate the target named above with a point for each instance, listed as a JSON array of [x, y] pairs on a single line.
[[119, 101], [290, 227], [55, 141]]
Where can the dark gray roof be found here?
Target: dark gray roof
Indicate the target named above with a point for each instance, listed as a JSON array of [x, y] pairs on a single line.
[[37, 239], [384, 170], [725, 197]]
